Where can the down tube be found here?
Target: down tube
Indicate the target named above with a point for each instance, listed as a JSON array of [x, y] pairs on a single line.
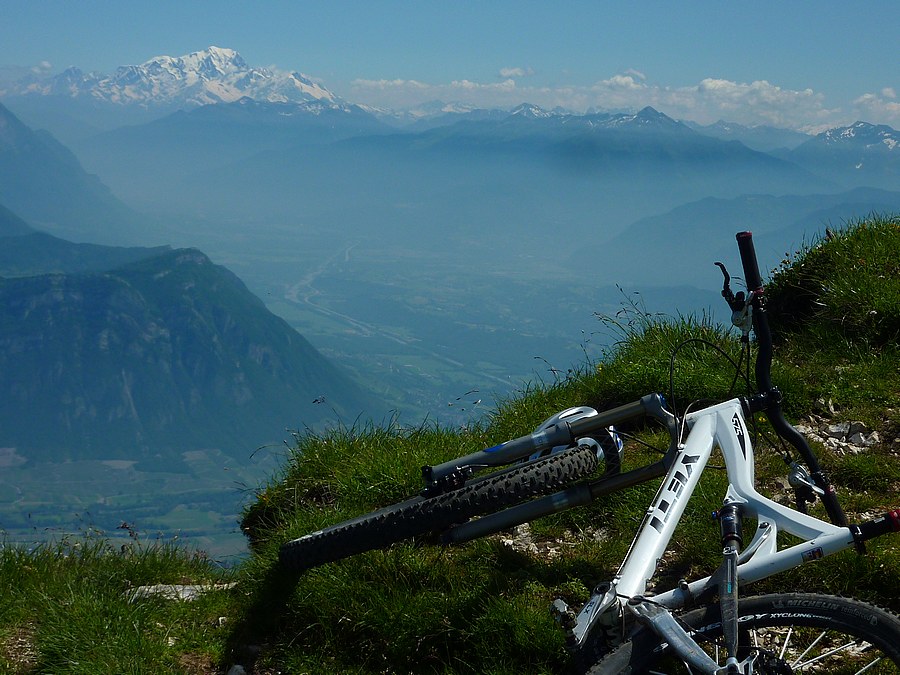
[[667, 508]]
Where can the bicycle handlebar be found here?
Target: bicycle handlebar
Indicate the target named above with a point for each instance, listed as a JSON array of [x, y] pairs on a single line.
[[748, 260], [769, 398], [562, 433], [757, 300]]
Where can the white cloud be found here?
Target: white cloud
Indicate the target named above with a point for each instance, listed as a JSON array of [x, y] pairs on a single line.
[[759, 102], [515, 72], [620, 83], [42, 68], [711, 99], [880, 109], [505, 86], [385, 85]]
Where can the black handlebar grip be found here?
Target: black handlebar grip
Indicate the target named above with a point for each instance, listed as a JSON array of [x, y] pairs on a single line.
[[748, 260]]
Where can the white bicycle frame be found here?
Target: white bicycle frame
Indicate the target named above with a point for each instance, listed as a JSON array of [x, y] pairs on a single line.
[[721, 426]]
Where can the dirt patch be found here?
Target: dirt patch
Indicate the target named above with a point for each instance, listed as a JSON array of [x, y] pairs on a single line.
[[521, 540], [197, 664], [18, 651]]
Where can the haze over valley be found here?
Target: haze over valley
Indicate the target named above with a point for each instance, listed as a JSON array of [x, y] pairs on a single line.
[[200, 256]]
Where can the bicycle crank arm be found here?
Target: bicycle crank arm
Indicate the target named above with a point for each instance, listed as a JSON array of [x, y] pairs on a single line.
[[670, 631], [661, 622]]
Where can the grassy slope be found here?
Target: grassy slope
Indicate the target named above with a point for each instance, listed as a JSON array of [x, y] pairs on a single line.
[[482, 607]]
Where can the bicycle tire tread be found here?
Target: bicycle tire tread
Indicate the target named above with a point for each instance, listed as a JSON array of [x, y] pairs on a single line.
[[418, 516]]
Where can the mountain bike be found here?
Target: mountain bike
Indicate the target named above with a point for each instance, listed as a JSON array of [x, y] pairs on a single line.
[[700, 626]]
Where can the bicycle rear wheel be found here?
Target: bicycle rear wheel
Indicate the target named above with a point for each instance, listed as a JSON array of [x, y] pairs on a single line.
[[792, 633], [419, 515]]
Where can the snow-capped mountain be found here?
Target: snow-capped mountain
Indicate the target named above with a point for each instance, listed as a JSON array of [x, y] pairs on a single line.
[[214, 75], [862, 135], [433, 114], [531, 111], [438, 108], [861, 154], [646, 118]]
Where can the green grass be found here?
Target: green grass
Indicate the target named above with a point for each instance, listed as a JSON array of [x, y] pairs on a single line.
[[845, 286], [483, 607], [66, 608], [836, 311]]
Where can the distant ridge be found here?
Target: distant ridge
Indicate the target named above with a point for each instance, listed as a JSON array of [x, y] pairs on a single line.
[[666, 244], [160, 356], [758, 137], [45, 184], [33, 253], [861, 154]]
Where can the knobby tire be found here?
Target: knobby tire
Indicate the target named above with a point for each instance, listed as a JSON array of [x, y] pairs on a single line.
[[420, 515]]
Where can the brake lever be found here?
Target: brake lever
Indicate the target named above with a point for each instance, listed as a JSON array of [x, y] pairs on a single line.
[[726, 287], [738, 303], [805, 489]]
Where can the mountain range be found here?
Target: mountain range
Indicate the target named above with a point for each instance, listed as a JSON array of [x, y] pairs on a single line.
[[298, 189], [213, 75], [231, 143], [479, 185], [143, 354], [216, 75]]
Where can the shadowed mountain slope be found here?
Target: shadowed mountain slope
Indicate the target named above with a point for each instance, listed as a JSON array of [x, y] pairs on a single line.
[[154, 358]]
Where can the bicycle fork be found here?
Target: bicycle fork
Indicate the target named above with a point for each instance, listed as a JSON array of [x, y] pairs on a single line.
[[730, 525], [604, 611]]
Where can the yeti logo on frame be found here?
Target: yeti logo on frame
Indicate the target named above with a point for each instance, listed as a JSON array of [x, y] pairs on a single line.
[[672, 492]]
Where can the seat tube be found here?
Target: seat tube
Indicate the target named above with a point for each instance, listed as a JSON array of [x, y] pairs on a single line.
[[667, 508]]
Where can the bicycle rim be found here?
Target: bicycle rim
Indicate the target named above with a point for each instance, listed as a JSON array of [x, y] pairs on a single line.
[[788, 633]]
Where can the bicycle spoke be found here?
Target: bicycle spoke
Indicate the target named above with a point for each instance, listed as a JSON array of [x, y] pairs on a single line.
[[810, 660], [825, 655], [787, 641], [870, 666], [800, 658]]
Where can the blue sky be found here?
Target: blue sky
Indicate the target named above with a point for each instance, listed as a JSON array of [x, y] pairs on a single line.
[[797, 64]]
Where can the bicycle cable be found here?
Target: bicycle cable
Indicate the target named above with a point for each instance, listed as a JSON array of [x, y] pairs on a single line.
[[722, 352], [640, 441], [738, 374]]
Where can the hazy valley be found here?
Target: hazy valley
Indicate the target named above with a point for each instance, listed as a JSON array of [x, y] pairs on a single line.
[[431, 264]]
